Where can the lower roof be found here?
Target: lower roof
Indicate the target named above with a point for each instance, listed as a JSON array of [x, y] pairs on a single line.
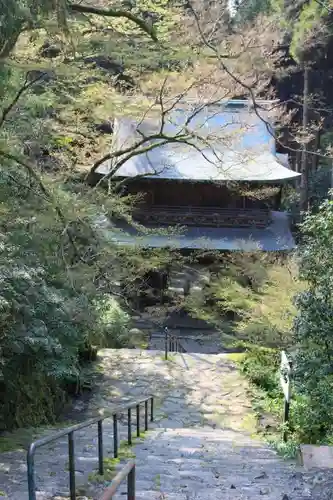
[[276, 237]]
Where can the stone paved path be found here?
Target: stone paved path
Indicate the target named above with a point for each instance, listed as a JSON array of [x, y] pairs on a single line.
[[200, 447]]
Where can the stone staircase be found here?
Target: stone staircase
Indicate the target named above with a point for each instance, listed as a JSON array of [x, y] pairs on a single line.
[[210, 464], [187, 279], [201, 445]]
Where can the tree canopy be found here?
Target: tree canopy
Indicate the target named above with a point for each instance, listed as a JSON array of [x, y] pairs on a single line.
[[67, 71]]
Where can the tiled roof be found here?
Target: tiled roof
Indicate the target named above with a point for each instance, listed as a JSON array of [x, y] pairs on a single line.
[[230, 143]]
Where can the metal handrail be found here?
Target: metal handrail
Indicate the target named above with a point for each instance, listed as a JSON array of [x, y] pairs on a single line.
[[69, 431], [172, 343], [129, 472]]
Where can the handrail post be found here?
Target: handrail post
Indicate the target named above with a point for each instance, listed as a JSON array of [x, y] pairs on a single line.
[[71, 464], [100, 448], [131, 484], [172, 344], [129, 426], [115, 436], [31, 473], [146, 415], [166, 342], [152, 409], [138, 420], [69, 432]]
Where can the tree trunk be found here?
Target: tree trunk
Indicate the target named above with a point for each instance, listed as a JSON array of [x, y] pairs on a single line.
[[315, 158], [304, 186]]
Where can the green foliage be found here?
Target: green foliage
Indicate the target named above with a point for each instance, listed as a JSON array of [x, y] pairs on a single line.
[[232, 296], [114, 323], [57, 270], [18, 15], [260, 365], [271, 319], [312, 401], [307, 25], [312, 414], [320, 179], [255, 294], [313, 326], [308, 28], [248, 10], [289, 449], [51, 300]]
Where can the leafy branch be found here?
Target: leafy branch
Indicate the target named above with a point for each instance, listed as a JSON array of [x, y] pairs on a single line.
[[46, 194]]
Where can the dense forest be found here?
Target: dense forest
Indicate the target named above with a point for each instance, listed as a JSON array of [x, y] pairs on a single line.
[[67, 70]]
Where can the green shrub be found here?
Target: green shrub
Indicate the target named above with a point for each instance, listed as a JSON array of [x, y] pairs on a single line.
[[251, 297], [260, 366], [287, 449], [270, 320], [51, 311], [313, 367], [114, 323], [42, 327], [311, 414]]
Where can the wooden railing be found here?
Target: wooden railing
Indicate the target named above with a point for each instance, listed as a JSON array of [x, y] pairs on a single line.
[[203, 216]]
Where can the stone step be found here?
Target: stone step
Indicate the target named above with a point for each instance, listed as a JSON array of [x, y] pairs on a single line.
[[176, 288], [179, 292], [176, 284], [198, 447], [206, 463], [185, 321]]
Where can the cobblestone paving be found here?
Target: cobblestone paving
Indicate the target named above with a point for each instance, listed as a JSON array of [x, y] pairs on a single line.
[[201, 445]]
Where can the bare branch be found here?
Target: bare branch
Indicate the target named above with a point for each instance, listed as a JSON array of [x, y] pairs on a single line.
[[27, 84], [160, 102], [116, 154], [134, 150], [46, 193], [249, 88], [325, 6], [86, 9], [148, 143]]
